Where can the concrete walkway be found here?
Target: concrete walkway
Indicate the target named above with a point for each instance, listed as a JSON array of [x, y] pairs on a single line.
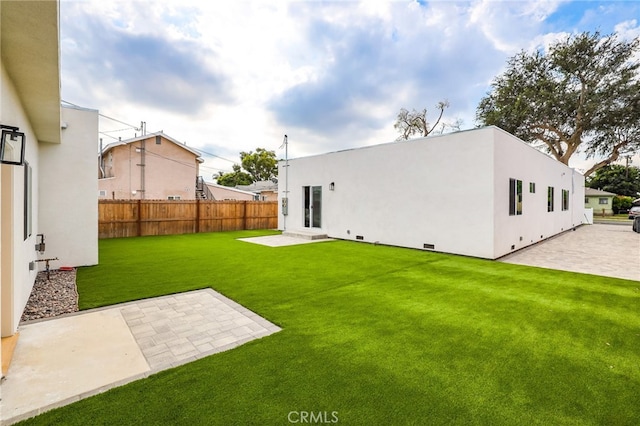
[[610, 250], [62, 360]]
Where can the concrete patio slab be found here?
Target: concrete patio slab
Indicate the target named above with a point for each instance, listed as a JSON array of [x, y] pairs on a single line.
[[608, 250], [62, 360], [282, 240]]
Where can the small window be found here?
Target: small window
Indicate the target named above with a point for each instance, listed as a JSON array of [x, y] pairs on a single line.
[[532, 187], [586, 200], [515, 197], [565, 199], [102, 193], [158, 140], [550, 198], [603, 201], [173, 197]]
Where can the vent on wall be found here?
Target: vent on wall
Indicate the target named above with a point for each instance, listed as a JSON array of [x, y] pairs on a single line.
[[359, 237], [429, 246]]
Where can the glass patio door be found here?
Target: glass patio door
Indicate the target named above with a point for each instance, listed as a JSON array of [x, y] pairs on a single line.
[[312, 206]]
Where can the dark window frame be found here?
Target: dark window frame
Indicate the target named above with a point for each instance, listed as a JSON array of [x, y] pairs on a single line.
[[565, 200], [515, 197]]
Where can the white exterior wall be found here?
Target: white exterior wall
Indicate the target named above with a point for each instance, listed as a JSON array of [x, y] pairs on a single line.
[[518, 160], [69, 191], [16, 251], [451, 191], [425, 191]]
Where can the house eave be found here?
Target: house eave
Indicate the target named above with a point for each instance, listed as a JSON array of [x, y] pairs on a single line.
[[29, 35]]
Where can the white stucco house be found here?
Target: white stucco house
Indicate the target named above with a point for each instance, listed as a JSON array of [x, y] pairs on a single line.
[[481, 192], [52, 195]]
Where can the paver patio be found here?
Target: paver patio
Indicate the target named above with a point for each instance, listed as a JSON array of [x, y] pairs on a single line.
[[62, 360], [599, 249]]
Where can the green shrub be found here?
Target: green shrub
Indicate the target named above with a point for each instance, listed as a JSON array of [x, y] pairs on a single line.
[[621, 204]]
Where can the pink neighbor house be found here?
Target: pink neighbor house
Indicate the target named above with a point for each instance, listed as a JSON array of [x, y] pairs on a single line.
[[153, 167]]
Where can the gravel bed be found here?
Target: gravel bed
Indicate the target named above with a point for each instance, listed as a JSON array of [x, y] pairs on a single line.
[[53, 297]]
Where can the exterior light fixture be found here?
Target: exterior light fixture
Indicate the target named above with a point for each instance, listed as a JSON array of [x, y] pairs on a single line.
[[332, 186], [12, 146]]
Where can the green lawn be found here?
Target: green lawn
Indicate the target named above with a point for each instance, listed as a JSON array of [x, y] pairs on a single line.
[[378, 335], [615, 218]]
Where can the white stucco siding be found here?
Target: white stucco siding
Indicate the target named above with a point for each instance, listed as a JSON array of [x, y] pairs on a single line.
[[16, 251], [517, 160], [426, 191], [69, 191]]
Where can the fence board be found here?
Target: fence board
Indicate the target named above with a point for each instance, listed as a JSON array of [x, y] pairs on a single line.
[[129, 218]]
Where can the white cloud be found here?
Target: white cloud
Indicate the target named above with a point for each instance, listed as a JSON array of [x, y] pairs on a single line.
[[511, 24], [232, 76]]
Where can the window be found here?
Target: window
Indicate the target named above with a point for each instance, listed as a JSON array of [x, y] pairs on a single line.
[[586, 200], [515, 197], [550, 199], [532, 187], [158, 140], [102, 193], [603, 201], [173, 197], [565, 199], [28, 204]]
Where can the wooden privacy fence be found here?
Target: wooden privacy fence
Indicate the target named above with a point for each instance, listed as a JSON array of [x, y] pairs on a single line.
[[131, 218]]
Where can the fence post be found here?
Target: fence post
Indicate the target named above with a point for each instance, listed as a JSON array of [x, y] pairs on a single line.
[[139, 218], [244, 215], [197, 216]]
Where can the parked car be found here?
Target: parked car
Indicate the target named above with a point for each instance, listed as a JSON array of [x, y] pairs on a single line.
[[634, 211]]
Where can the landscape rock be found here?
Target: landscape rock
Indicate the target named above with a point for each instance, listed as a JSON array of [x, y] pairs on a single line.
[[52, 297]]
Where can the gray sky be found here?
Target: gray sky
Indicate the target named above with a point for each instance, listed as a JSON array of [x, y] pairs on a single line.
[[231, 76]]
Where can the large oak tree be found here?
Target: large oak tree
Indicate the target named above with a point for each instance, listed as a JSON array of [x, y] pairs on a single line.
[[582, 95], [618, 179]]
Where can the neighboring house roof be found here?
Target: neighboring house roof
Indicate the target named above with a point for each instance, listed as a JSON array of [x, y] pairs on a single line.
[[591, 192], [263, 185], [112, 145], [230, 188]]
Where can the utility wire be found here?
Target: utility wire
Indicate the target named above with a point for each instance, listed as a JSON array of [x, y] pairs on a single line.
[[119, 121], [106, 116], [117, 130], [180, 162], [112, 137], [213, 155], [138, 128]]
